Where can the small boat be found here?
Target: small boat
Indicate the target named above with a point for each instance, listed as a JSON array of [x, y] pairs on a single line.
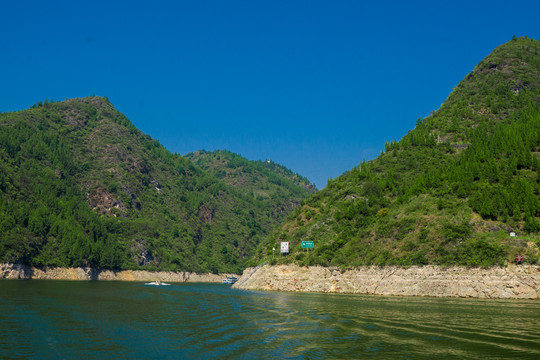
[[157, 283], [229, 280]]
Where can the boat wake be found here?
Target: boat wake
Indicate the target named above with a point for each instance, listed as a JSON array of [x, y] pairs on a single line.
[[157, 283]]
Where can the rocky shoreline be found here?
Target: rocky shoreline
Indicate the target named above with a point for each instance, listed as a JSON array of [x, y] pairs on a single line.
[[511, 282], [17, 271]]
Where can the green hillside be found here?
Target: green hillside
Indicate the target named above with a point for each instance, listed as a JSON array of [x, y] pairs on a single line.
[[271, 184], [81, 186], [449, 192]]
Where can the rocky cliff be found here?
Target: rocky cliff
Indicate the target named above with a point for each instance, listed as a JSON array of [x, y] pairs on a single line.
[[16, 271], [511, 282]]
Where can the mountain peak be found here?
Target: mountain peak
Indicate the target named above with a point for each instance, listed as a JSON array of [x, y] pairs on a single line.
[[449, 191], [80, 185], [496, 89]]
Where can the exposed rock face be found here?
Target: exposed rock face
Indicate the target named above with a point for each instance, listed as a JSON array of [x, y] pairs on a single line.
[[15, 271], [512, 282]]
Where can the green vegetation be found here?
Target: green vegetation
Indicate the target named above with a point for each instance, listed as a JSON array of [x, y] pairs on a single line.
[[449, 192], [81, 186], [271, 185]]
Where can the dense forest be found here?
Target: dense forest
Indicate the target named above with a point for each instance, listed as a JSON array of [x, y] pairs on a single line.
[[449, 192], [81, 186]]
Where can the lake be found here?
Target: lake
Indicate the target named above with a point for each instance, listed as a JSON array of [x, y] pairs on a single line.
[[125, 320]]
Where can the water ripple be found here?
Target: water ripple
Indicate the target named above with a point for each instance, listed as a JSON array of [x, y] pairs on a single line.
[[86, 320]]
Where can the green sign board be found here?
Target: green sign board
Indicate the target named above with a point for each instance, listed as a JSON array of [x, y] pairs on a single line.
[[307, 244]]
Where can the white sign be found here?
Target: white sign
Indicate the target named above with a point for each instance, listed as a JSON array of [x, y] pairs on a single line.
[[284, 247]]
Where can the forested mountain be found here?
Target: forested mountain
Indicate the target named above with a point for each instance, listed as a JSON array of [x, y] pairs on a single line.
[[275, 186], [449, 192], [81, 186]]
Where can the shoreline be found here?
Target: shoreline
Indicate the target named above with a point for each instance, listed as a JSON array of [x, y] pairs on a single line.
[[511, 282], [17, 271]]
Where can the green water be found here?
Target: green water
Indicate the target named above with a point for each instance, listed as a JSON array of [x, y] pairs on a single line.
[[125, 320]]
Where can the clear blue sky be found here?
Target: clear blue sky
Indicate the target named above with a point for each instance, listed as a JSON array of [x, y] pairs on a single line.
[[314, 85]]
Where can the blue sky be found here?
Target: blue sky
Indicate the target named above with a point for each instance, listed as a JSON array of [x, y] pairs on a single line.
[[314, 85]]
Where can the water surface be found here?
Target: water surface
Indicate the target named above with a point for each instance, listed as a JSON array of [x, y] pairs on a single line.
[[125, 320]]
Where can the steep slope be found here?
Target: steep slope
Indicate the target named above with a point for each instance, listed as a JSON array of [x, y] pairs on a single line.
[[449, 192], [272, 185], [81, 186]]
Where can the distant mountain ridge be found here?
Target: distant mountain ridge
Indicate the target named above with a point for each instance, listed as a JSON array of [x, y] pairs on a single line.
[[81, 186], [268, 182], [449, 192]]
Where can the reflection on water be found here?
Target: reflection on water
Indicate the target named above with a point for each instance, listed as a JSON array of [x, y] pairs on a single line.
[[118, 320]]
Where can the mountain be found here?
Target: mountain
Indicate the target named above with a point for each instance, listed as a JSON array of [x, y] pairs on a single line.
[[449, 192], [271, 184], [81, 186]]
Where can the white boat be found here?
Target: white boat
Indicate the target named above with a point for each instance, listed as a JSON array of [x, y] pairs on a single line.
[[229, 280], [157, 283]]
